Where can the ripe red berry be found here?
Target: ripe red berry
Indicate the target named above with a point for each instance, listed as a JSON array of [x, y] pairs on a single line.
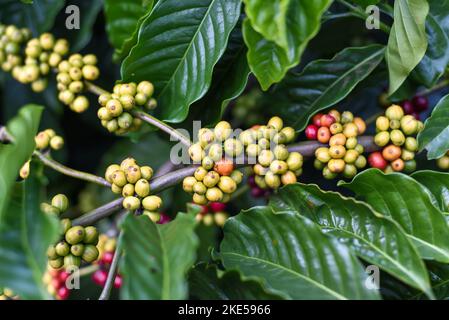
[[311, 132], [316, 120], [376, 160], [217, 206], [56, 283], [107, 258], [164, 219], [118, 281], [327, 120], [420, 103], [99, 277], [204, 210], [63, 293], [63, 275], [408, 107]]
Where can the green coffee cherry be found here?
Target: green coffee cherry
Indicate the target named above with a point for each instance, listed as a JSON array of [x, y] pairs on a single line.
[[382, 123], [279, 167], [77, 250], [49, 209], [90, 253], [360, 163], [397, 137], [443, 163], [272, 180], [349, 171], [75, 235], [146, 88], [351, 156], [395, 124], [66, 225], [327, 174], [51, 253], [61, 202], [72, 261], [351, 143], [382, 138], [281, 152], [207, 163], [409, 166], [56, 263], [317, 164], [407, 155], [409, 125], [90, 235], [237, 176], [411, 144], [265, 157], [62, 248]]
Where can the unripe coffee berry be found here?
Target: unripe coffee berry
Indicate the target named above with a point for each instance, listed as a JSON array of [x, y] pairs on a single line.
[[409, 125], [227, 185], [56, 263], [411, 144], [336, 128], [276, 122], [56, 143], [338, 139], [214, 194], [77, 250], [346, 117], [391, 152], [289, 133], [146, 172], [61, 202], [133, 174], [224, 167], [199, 199], [350, 130], [72, 261], [288, 178], [394, 112], [337, 152], [397, 137], [131, 203], [322, 154], [119, 178], [265, 157], [152, 203], [75, 235], [199, 187], [80, 104], [349, 171], [211, 179], [222, 130], [142, 188], [278, 167], [90, 235], [187, 184], [237, 176], [382, 138], [336, 165]]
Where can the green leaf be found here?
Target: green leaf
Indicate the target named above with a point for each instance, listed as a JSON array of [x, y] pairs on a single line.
[[436, 59], [323, 83], [157, 257], [365, 3], [291, 257], [25, 234], [38, 16], [268, 61], [407, 43], [228, 82], [269, 19], [438, 185], [23, 129], [178, 46], [435, 136], [206, 282], [373, 237], [410, 204], [122, 19]]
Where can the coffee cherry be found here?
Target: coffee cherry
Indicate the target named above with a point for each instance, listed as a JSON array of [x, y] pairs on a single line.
[[80, 104], [420, 103], [397, 137], [222, 130], [187, 184], [338, 139], [263, 144], [316, 120], [351, 156], [311, 132], [265, 157], [347, 117], [196, 152], [324, 135], [411, 144], [227, 185], [260, 170], [336, 114], [224, 167], [152, 203], [359, 148], [199, 187], [118, 178], [397, 165], [327, 120], [409, 125], [131, 203], [154, 216], [281, 152], [395, 124], [391, 153], [272, 180], [51, 253], [317, 164], [328, 174], [409, 166], [211, 179], [276, 122], [133, 174], [77, 250], [114, 107], [99, 277], [56, 263], [407, 155], [116, 189], [237, 176], [349, 171], [233, 147], [214, 194], [56, 143], [288, 178], [90, 72], [42, 140], [336, 128], [336, 165], [146, 88], [278, 167], [382, 138], [337, 152], [60, 202], [350, 130], [90, 235], [361, 125], [128, 190], [142, 188], [408, 107], [66, 97], [394, 112], [289, 133], [199, 199], [322, 154], [443, 163], [75, 235], [66, 225], [376, 160], [72, 261]]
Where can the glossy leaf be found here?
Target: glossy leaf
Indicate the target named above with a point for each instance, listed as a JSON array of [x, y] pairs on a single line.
[[22, 129], [436, 59], [373, 237], [270, 62], [38, 16], [407, 43], [438, 185], [403, 199], [206, 282], [291, 257], [157, 257], [25, 234], [178, 46], [323, 83], [122, 19], [435, 136]]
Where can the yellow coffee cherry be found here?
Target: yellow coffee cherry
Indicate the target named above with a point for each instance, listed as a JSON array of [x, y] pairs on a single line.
[[187, 184], [443, 163], [382, 123], [278, 167], [222, 130], [338, 139], [336, 165], [295, 161], [54, 59], [154, 216], [199, 187], [25, 170], [60, 202], [260, 170], [288, 178], [128, 162], [42, 140], [103, 114], [199, 199], [66, 97], [253, 150], [90, 72], [215, 152], [114, 107], [56, 142], [196, 152], [276, 122], [116, 189], [220, 218], [80, 104], [119, 178], [227, 185], [350, 130], [237, 176], [200, 173], [133, 174], [89, 59], [152, 203], [61, 47], [47, 41], [214, 194], [272, 180], [76, 86], [128, 190], [233, 147], [205, 137], [337, 152], [382, 138], [131, 203], [110, 170], [211, 179], [281, 152], [147, 172], [265, 157], [394, 112], [50, 132], [146, 88], [207, 163], [142, 188], [246, 137], [351, 156]]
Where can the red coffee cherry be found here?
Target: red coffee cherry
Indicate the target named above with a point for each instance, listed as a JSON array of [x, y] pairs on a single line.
[[311, 132], [376, 160]]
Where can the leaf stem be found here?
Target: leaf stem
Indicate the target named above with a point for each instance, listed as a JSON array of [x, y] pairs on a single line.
[[112, 270], [163, 126], [70, 172]]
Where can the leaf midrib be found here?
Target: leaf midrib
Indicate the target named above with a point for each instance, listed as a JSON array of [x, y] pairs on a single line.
[[307, 279]]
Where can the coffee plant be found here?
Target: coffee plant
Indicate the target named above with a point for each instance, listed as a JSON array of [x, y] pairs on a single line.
[[224, 149]]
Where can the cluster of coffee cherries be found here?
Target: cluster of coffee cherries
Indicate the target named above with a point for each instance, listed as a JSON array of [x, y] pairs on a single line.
[[71, 75], [265, 145], [8, 294], [77, 243], [133, 183], [55, 281], [213, 213], [344, 154], [106, 246], [48, 139], [41, 55], [216, 178], [396, 135], [115, 111], [412, 107], [443, 162], [11, 41]]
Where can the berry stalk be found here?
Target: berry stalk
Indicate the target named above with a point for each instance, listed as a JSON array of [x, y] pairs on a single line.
[[70, 172], [112, 270]]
